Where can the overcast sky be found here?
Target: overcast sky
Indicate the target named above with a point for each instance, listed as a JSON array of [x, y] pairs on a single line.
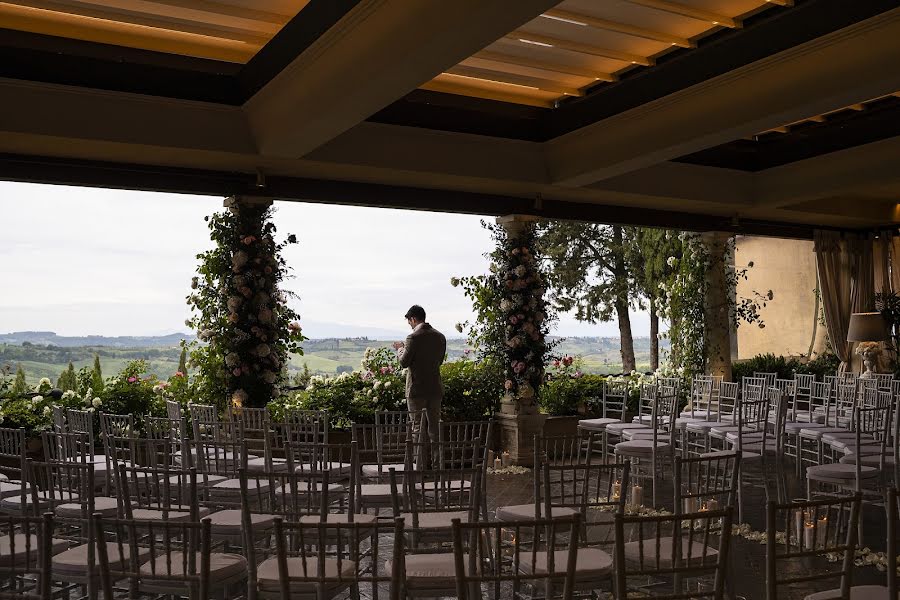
[[82, 261]]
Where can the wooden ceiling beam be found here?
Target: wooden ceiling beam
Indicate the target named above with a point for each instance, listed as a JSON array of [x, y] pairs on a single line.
[[543, 65], [606, 25], [539, 40], [253, 14], [676, 8], [514, 79]]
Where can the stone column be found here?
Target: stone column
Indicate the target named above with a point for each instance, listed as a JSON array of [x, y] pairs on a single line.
[[718, 307], [519, 419]]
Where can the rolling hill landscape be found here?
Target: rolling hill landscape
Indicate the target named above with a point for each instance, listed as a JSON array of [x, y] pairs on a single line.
[[46, 354]]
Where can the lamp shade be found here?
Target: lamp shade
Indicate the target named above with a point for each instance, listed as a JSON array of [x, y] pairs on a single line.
[[867, 327]]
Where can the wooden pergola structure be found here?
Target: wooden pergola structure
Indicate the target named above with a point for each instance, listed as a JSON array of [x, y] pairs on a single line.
[[769, 117]]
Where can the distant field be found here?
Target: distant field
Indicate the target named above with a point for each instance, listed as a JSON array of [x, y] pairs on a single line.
[[598, 355]]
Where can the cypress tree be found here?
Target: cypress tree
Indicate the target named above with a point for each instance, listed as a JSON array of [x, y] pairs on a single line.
[[71, 379], [97, 376], [182, 361], [19, 385]]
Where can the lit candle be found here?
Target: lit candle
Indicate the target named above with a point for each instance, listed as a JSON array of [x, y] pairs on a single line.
[[506, 458], [713, 504], [637, 495], [617, 490], [822, 527], [690, 504], [497, 463], [809, 534]]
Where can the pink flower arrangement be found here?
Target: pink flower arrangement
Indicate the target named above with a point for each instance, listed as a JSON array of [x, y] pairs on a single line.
[[132, 379], [178, 374]]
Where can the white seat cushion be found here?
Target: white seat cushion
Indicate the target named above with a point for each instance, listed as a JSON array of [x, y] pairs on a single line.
[[590, 563], [633, 551], [597, 424], [223, 567], [794, 427], [645, 434], [645, 419], [815, 433], [701, 426], [871, 460], [840, 471], [74, 561], [857, 592], [108, 507], [617, 428], [641, 447], [524, 512], [432, 572], [26, 548], [436, 520], [372, 470], [279, 465], [229, 521], [180, 513], [375, 491], [267, 574], [336, 470], [339, 518]]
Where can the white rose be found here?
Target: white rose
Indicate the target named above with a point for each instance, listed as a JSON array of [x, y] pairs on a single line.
[[47, 411], [387, 384], [96, 402], [376, 385]]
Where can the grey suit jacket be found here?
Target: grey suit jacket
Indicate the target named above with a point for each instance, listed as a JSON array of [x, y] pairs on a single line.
[[423, 354]]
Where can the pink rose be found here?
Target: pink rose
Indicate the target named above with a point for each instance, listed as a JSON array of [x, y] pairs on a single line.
[[236, 372], [509, 384], [513, 320], [556, 363], [385, 370], [179, 374], [132, 379]]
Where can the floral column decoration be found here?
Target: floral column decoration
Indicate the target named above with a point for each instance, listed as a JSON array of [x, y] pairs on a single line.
[[240, 312], [524, 314]]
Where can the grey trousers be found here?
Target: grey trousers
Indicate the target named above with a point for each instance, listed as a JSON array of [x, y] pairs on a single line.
[[432, 414]]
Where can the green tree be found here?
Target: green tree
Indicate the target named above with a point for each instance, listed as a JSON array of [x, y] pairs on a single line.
[[19, 385], [588, 272], [67, 379], [652, 256], [97, 376]]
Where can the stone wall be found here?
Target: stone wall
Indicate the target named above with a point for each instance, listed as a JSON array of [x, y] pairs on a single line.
[[788, 268]]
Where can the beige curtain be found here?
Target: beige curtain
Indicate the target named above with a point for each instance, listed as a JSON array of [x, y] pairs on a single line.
[[862, 271], [881, 254], [833, 266]]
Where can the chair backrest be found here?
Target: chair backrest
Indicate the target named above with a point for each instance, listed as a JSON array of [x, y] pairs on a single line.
[[845, 401], [204, 412], [615, 396], [665, 411], [728, 397], [26, 544], [768, 377], [752, 387], [706, 482], [173, 410], [511, 553], [59, 417], [80, 421], [67, 447], [300, 544], [163, 553], [219, 447], [117, 425], [847, 377], [646, 399], [808, 529], [306, 426], [820, 395], [753, 417], [171, 492], [464, 431], [12, 452], [288, 495], [884, 381], [702, 396], [393, 430], [693, 553], [582, 487], [564, 449], [803, 383], [435, 490], [256, 420]]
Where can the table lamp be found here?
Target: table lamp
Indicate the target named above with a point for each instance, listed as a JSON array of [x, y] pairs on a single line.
[[868, 329]]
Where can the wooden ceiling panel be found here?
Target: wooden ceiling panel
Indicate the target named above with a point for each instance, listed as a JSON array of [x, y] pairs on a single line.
[[601, 41], [232, 31], [600, 38], [639, 16]]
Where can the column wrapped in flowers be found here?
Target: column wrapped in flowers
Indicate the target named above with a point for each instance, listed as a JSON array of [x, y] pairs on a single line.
[[524, 314], [243, 316]]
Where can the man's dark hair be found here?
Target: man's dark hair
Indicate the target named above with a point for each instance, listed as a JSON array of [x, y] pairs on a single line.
[[416, 312]]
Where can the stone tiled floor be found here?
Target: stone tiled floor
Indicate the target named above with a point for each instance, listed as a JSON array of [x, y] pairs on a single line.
[[747, 557]]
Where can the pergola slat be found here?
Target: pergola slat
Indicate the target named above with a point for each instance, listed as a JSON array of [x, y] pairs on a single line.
[[572, 46], [617, 27]]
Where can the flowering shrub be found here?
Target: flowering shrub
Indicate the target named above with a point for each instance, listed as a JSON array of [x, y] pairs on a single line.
[[472, 390], [33, 412], [131, 392], [240, 313]]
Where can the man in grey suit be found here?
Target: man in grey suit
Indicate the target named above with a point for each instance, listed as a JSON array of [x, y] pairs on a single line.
[[422, 355]]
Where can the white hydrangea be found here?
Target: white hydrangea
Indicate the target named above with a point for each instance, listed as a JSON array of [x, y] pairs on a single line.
[[37, 400], [47, 411], [68, 395], [96, 402], [44, 381]]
